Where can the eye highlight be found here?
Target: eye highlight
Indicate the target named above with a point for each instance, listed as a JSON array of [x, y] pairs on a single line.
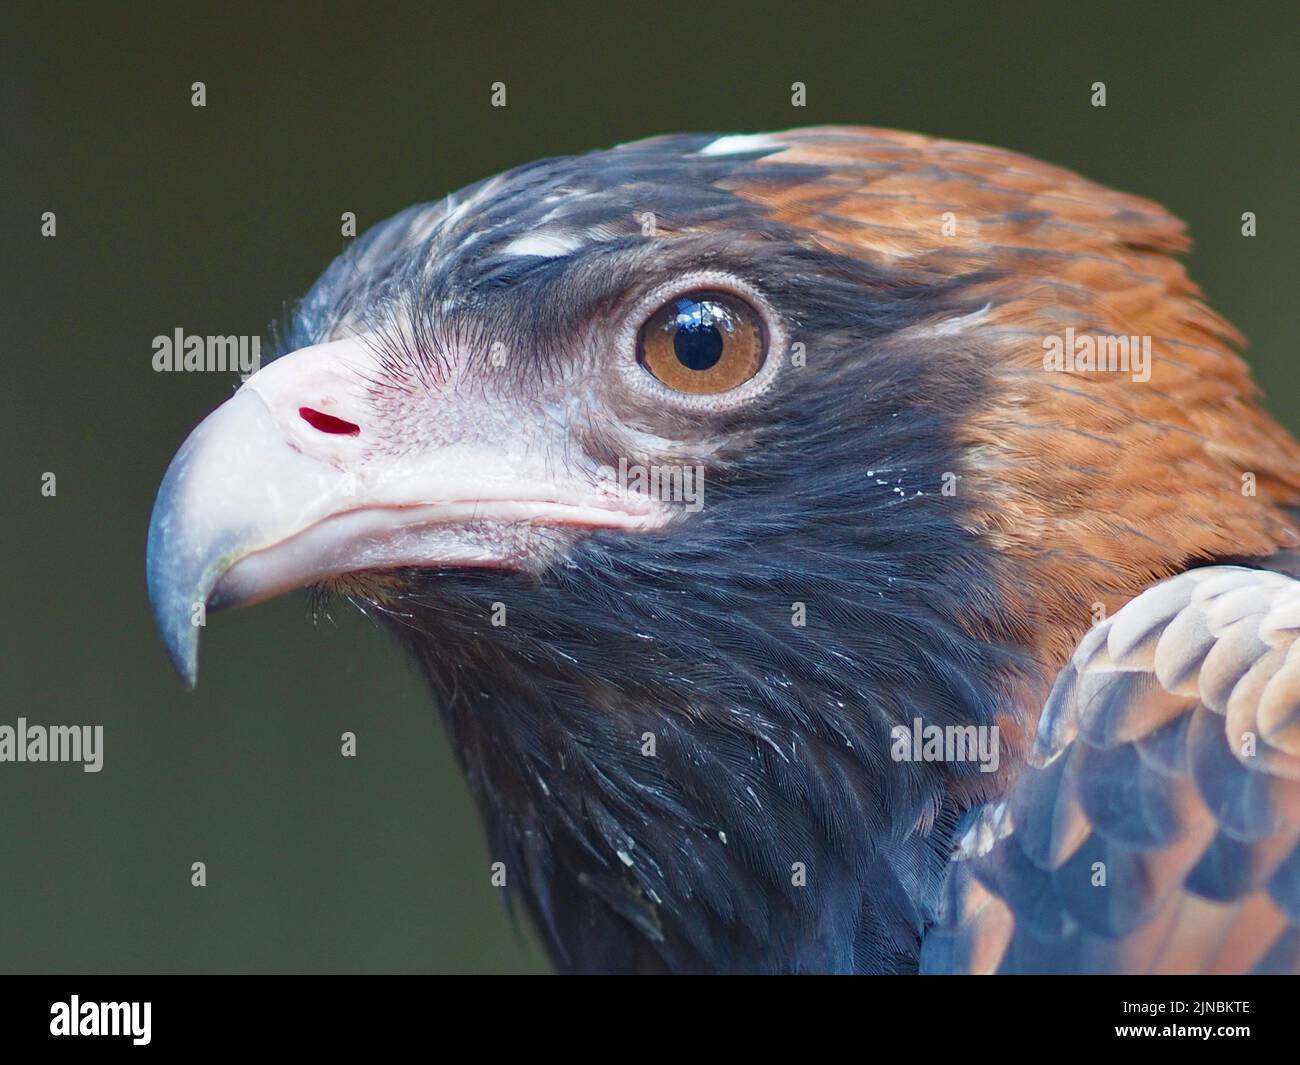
[[703, 342]]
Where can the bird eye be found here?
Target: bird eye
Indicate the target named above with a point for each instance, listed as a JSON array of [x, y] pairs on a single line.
[[703, 343]]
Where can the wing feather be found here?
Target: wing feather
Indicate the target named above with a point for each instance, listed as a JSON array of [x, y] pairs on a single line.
[[1158, 828]]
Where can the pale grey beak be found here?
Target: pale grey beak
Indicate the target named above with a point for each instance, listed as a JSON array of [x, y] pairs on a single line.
[[290, 483]]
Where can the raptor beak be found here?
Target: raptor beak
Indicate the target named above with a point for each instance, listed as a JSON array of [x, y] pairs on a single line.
[[301, 477]]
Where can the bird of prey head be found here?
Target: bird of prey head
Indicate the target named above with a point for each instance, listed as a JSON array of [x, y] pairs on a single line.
[[699, 474]]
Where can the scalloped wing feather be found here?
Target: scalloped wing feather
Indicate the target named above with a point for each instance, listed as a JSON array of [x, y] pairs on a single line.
[[1158, 829]]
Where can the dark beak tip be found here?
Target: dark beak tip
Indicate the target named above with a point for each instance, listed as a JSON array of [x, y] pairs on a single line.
[[181, 641], [188, 672], [170, 593]]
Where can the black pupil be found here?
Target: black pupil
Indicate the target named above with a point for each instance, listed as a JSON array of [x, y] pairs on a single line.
[[697, 341]]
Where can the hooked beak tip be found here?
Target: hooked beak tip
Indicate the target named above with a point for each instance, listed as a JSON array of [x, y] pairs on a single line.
[[186, 664], [172, 615], [270, 493]]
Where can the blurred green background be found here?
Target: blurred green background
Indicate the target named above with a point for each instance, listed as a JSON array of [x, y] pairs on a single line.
[[212, 219]]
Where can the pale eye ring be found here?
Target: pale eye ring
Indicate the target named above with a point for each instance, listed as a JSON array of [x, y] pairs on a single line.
[[705, 341]]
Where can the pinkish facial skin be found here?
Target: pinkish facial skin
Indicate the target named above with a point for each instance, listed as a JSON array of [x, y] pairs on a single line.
[[261, 499]]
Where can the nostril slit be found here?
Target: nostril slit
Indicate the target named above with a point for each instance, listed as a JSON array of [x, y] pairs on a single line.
[[327, 423]]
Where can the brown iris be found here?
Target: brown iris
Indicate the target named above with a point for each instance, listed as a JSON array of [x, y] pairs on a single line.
[[702, 343]]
